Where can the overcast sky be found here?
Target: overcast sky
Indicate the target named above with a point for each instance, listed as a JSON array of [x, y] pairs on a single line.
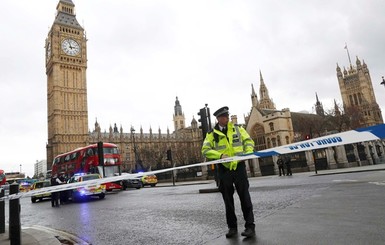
[[144, 53]]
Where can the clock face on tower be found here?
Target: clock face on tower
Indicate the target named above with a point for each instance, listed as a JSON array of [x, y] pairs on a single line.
[[70, 47]]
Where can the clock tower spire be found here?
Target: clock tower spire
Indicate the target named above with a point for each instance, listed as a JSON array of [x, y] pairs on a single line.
[[66, 65]]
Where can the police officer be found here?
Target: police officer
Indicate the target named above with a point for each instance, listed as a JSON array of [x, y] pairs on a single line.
[[63, 194], [228, 140], [55, 195]]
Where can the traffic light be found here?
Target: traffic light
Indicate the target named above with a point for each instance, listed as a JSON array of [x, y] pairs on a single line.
[[203, 120]]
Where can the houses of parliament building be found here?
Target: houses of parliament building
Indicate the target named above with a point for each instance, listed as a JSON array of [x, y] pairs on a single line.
[[68, 128]]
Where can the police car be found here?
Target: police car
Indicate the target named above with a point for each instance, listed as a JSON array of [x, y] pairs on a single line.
[[86, 192], [150, 180], [38, 185]]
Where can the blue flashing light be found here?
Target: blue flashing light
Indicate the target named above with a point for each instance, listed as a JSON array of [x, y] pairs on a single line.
[[79, 174]]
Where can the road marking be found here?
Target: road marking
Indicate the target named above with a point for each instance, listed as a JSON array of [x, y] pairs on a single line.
[[377, 183], [345, 180]]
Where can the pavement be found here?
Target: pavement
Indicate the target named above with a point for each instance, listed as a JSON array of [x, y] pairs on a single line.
[[40, 235], [296, 216]]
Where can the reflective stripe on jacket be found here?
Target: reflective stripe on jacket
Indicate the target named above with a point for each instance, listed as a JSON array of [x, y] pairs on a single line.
[[236, 142]]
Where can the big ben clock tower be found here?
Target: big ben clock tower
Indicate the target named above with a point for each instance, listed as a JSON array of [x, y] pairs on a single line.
[[66, 65]]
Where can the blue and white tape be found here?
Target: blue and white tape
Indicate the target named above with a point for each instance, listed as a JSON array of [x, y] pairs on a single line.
[[349, 137]]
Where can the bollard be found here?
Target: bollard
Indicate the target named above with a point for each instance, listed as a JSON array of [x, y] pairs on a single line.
[[2, 212], [14, 216]]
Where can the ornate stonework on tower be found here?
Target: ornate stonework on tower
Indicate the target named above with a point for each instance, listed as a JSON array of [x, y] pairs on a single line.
[[179, 119], [357, 94], [319, 109], [264, 102], [66, 64], [267, 126]]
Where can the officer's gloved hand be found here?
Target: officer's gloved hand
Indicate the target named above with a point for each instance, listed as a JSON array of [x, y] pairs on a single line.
[[224, 156], [233, 165]]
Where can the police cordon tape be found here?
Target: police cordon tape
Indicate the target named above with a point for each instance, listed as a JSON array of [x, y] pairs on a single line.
[[376, 132]]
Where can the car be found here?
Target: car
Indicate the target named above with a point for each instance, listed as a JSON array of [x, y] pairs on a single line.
[[24, 187], [81, 193], [150, 180], [130, 183], [38, 185]]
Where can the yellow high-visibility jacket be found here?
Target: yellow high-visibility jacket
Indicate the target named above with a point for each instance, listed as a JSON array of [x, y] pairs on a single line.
[[236, 142]]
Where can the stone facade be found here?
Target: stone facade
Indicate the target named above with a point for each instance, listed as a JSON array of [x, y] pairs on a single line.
[[270, 127], [267, 126], [358, 95], [66, 65], [146, 151]]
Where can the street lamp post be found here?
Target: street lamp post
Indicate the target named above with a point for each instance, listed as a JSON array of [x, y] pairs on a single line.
[[134, 146], [20, 168]]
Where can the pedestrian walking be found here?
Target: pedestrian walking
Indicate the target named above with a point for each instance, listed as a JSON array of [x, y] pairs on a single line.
[[280, 166], [228, 140], [55, 195], [288, 166]]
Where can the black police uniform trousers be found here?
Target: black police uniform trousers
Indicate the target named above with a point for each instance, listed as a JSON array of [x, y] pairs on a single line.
[[238, 178], [55, 199]]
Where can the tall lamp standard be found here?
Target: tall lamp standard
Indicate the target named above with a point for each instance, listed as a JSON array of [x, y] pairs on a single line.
[[20, 168], [134, 146]]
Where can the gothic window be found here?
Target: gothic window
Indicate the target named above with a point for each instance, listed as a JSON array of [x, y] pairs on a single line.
[[257, 133], [273, 142], [359, 99], [271, 125], [279, 140], [287, 140], [268, 143], [355, 99], [351, 99]]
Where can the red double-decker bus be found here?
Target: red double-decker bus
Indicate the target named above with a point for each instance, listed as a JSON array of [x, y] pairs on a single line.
[[3, 179], [86, 160]]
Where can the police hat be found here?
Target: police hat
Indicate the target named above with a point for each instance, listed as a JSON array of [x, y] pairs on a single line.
[[222, 111]]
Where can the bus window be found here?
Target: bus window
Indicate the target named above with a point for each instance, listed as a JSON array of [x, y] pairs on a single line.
[[57, 160], [74, 155], [90, 152], [67, 158], [111, 150]]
